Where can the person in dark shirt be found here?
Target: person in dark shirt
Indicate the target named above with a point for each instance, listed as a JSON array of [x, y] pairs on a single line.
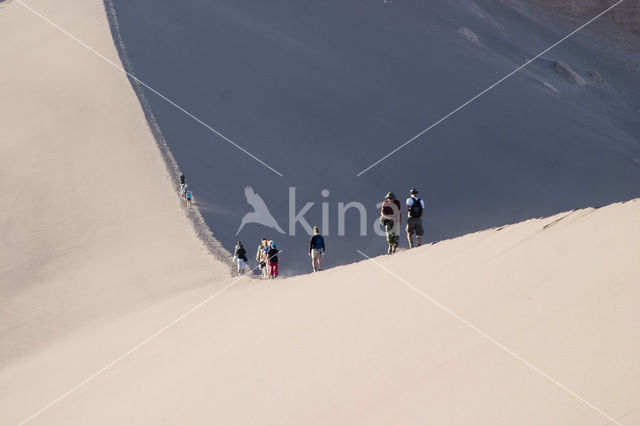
[[240, 257], [391, 218], [316, 249], [272, 255]]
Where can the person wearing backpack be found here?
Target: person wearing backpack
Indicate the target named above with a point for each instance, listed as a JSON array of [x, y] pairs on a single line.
[[316, 249], [415, 207], [391, 218], [240, 257]]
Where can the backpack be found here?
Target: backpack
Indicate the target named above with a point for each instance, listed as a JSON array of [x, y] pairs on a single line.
[[242, 254], [318, 243], [416, 208]]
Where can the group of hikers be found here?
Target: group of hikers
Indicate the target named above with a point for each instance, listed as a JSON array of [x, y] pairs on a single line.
[[185, 191], [390, 219], [267, 255]]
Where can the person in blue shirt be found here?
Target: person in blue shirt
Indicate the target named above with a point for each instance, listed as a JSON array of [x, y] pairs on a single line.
[[316, 249]]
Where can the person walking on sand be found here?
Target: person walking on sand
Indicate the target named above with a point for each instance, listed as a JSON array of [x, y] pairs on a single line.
[[240, 257], [391, 218], [316, 249], [415, 207], [261, 258], [183, 179], [272, 256], [189, 198]]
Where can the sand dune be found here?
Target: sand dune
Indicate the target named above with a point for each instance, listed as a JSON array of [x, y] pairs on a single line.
[[493, 328], [320, 90], [90, 223], [534, 323]]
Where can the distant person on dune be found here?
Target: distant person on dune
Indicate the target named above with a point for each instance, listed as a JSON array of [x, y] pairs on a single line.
[[240, 257], [272, 256], [183, 179], [391, 218], [261, 258], [316, 249], [415, 207], [189, 197]]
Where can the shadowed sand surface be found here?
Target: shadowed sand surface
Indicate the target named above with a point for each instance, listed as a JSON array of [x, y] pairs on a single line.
[[320, 90], [97, 256]]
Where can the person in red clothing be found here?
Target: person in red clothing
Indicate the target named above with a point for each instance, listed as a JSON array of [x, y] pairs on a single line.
[[391, 218], [272, 255]]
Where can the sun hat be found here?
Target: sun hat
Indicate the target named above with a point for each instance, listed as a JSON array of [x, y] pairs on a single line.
[[390, 196], [413, 191]]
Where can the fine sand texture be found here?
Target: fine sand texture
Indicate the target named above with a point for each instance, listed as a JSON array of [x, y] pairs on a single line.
[[114, 313], [90, 222]]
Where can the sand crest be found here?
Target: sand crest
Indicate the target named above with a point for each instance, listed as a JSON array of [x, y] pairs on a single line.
[[533, 323]]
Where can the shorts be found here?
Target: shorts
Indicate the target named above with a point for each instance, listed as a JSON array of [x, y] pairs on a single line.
[[241, 264], [414, 226], [316, 253]]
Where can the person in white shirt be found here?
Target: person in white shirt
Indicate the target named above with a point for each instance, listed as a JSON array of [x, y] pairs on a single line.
[[415, 207]]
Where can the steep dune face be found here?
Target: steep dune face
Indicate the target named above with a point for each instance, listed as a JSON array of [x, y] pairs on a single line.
[[320, 90], [90, 225]]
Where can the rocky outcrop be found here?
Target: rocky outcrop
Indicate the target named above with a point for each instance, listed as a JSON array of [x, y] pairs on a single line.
[[595, 75], [626, 14], [469, 35], [567, 73]]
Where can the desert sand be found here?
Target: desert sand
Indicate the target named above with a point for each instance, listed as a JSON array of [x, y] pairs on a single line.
[[320, 90], [90, 220], [113, 312]]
